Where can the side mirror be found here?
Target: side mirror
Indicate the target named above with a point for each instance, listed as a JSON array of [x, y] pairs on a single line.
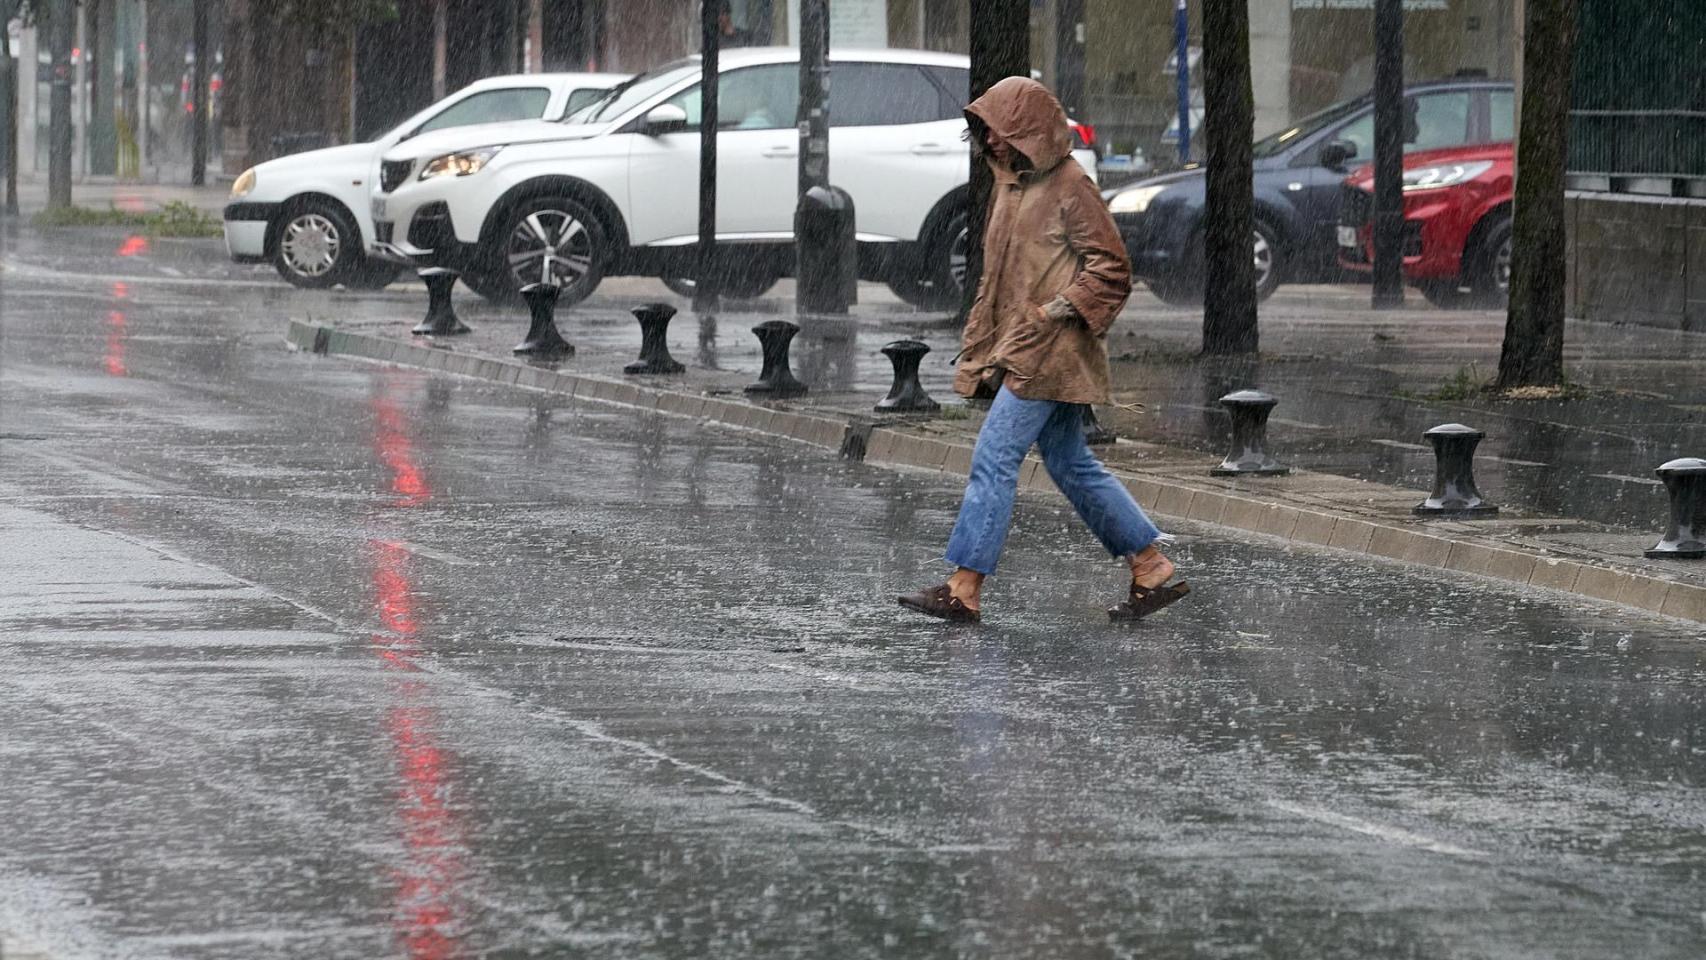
[[664, 118], [1335, 153]]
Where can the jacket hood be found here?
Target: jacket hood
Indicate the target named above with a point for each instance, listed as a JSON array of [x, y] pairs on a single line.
[[1024, 113]]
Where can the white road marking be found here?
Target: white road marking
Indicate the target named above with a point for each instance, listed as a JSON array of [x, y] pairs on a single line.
[[1623, 479], [1391, 834]]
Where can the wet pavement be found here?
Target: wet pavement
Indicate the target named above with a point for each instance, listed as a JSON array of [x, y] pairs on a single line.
[[1357, 387], [309, 658]]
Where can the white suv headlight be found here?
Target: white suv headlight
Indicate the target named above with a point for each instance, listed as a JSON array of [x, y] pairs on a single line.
[[245, 184], [1135, 200], [459, 164], [1445, 175]]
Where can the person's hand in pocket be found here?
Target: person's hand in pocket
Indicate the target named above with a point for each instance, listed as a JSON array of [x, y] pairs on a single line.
[[1061, 310]]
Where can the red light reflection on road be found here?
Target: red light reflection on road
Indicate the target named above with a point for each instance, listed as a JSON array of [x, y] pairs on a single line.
[[133, 246], [391, 441], [113, 358], [427, 880]]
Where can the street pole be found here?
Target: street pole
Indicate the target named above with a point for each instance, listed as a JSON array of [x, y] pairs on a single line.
[[814, 95], [59, 133], [198, 96], [1388, 154], [825, 252], [705, 291], [1069, 59], [1182, 39], [9, 107]]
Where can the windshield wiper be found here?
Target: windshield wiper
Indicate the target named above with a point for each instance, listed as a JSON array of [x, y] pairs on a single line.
[[595, 109]]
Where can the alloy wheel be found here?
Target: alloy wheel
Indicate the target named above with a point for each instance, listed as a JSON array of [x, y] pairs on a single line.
[[1502, 266], [549, 246], [311, 244], [959, 259]]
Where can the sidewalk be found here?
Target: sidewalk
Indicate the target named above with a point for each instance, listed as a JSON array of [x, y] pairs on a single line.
[[1339, 370], [99, 193]]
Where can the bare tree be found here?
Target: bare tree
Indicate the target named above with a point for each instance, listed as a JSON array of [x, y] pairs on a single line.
[[1229, 295], [1533, 353]]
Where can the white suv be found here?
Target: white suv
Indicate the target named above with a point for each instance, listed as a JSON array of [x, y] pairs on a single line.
[[617, 192], [308, 212]]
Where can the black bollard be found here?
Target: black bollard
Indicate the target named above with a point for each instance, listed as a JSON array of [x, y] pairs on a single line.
[[907, 394], [1685, 481], [654, 343], [543, 341], [441, 320], [1454, 492], [777, 378], [1249, 455], [1095, 434]]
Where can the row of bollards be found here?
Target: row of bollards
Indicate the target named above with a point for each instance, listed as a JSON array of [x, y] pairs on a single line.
[[776, 380], [1454, 494]]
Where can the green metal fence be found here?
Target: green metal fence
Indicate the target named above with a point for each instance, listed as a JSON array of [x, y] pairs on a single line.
[[1639, 97]]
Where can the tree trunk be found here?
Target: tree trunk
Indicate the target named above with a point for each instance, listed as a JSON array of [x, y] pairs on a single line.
[[1229, 294], [1533, 353], [1000, 48]]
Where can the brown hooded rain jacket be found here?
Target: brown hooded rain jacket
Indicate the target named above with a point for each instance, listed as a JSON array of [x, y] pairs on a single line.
[[1048, 235]]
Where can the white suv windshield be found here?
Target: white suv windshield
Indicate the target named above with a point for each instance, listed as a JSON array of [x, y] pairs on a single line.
[[626, 96]]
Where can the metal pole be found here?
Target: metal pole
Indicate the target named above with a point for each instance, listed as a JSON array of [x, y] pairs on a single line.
[[12, 74], [814, 94], [1388, 154], [705, 291], [1069, 58], [59, 133], [144, 115], [1182, 39], [198, 96], [8, 108]]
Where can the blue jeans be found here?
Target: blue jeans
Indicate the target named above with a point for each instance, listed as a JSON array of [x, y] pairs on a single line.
[[1013, 425]]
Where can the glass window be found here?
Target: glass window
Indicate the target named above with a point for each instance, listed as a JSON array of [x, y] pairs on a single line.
[[636, 90], [581, 99], [956, 91], [1503, 119], [881, 94], [1442, 120], [1439, 120], [491, 106], [757, 98]]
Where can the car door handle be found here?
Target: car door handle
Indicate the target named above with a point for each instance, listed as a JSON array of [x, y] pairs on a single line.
[[929, 149], [781, 153]]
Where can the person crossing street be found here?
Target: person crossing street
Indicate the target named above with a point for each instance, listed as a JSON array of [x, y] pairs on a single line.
[[1055, 276]]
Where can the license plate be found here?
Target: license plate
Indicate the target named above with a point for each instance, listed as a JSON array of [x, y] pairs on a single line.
[[378, 208], [1347, 236]]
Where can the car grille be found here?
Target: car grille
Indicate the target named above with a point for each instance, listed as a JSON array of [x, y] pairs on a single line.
[[382, 231], [392, 173], [430, 229]]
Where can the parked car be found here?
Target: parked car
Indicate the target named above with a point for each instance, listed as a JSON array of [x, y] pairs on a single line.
[[1299, 173], [617, 193], [1457, 224], [309, 212]]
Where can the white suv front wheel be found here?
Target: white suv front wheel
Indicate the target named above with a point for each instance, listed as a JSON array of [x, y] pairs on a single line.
[[546, 240]]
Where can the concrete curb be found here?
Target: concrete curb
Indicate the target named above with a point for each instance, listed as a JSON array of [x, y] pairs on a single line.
[[1165, 496]]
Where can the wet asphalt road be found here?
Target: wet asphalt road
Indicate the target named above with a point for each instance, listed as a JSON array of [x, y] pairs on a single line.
[[308, 658]]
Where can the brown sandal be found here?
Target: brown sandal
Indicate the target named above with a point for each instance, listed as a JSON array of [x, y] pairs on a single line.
[[940, 602], [1146, 600]]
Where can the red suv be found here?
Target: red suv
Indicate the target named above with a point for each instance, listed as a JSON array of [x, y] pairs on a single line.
[[1457, 224]]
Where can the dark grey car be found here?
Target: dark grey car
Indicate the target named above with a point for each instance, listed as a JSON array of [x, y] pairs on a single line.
[[1298, 174]]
